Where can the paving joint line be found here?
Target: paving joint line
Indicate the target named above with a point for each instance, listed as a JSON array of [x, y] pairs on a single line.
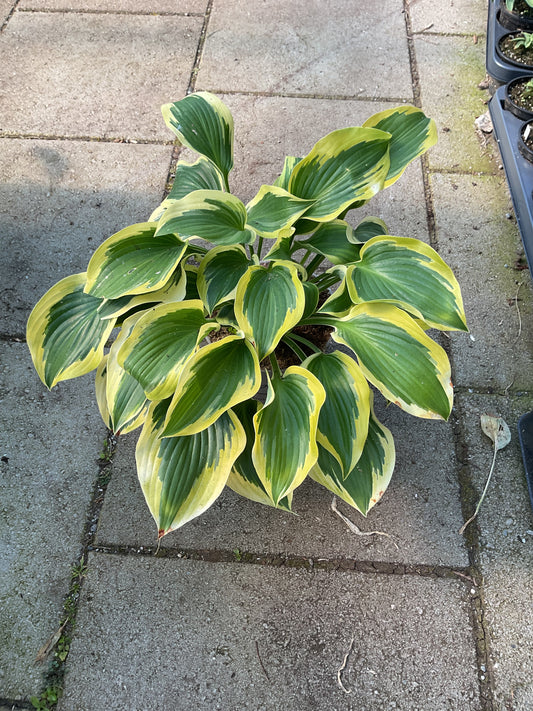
[[468, 35], [14, 705], [9, 16], [283, 560], [469, 497], [485, 675], [190, 89], [86, 139], [55, 674], [300, 95], [88, 11]]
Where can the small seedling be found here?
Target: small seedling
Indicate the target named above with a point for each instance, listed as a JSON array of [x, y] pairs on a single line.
[[527, 91], [523, 41], [511, 3], [47, 700]]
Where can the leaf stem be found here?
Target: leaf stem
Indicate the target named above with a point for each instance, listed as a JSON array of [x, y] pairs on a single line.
[[314, 263], [259, 246], [294, 347], [276, 372], [306, 342], [462, 529]]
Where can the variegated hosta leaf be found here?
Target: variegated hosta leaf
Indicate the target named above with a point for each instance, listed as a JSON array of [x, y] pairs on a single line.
[[339, 303], [398, 358], [214, 379], [335, 240], [160, 344], [225, 316], [411, 272], [285, 446], [269, 302], [65, 334], [182, 476], [280, 250], [346, 165], [203, 123], [101, 399], [273, 210], [191, 287], [290, 163], [217, 217], [343, 421], [243, 478], [367, 482], [219, 274], [369, 227], [412, 134], [312, 296], [174, 290], [200, 175], [126, 401], [133, 262]]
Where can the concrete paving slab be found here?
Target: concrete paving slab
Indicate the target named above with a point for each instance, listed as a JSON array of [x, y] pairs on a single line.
[[132, 6], [49, 443], [482, 246], [420, 509], [137, 64], [59, 201], [6, 6], [450, 69], [338, 48], [449, 16], [506, 524], [269, 128], [253, 638]]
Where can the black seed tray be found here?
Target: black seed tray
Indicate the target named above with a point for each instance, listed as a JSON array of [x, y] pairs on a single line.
[[525, 435], [499, 69], [518, 170]]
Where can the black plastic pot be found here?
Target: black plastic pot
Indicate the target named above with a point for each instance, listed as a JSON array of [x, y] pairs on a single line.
[[518, 170], [511, 105], [526, 130], [500, 69], [512, 20], [525, 436]]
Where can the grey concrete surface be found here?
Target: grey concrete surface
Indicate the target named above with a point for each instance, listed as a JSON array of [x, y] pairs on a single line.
[[448, 16], [450, 70], [137, 63], [498, 352], [506, 522], [170, 7], [244, 637], [352, 49], [420, 511], [441, 622], [48, 469], [63, 198]]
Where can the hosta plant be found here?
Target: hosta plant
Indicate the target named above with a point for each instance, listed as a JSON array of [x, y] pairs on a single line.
[[184, 315]]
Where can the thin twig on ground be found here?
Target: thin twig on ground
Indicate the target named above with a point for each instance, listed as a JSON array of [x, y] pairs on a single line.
[[343, 667], [355, 529], [260, 660]]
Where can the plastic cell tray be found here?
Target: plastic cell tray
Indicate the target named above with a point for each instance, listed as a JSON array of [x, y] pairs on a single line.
[[499, 69], [518, 170], [525, 435]]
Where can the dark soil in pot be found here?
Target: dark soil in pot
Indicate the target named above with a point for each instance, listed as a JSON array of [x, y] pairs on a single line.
[[519, 97], [516, 55], [521, 16]]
